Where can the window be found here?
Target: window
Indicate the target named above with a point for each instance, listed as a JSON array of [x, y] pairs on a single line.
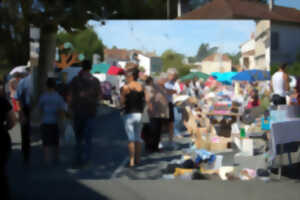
[[246, 62], [275, 40]]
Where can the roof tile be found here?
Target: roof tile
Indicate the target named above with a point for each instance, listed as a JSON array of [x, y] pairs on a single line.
[[243, 9]]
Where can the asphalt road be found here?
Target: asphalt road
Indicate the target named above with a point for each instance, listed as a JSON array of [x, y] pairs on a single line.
[[110, 152]]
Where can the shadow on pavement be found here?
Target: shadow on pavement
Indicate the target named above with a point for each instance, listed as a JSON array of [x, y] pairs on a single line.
[[63, 182]]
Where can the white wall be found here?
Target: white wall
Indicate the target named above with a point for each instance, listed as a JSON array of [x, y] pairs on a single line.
[[209, 67], [289, 42], [122, 64], [248, 46], [268, 59], [145, 63]]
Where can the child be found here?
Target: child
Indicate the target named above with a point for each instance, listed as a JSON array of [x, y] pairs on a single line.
[[52, 107]]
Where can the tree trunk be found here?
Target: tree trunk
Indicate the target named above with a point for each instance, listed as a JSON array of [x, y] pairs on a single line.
[[46, 58]]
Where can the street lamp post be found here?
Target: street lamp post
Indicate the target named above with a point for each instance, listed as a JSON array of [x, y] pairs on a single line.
[[179, 8], [168, 9]]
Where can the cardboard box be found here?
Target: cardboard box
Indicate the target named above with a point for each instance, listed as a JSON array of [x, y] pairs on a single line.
[[220, 145], [202, 138]]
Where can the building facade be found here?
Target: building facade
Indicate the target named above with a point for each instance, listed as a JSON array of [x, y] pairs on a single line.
[[285, 43], [262, 44], [215, 63], [150, 64], [247, 49]]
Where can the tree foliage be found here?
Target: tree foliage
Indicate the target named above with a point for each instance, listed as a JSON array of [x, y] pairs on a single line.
[[85, 42], [235, 58], [203, 51], [172, 59]]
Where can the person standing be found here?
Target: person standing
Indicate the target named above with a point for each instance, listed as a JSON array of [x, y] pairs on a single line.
[[85, 94], [172, 89], [52, 106], [158, 111], [23, 97], [7, 121], [12, 86], [280, 86], [133, 101]]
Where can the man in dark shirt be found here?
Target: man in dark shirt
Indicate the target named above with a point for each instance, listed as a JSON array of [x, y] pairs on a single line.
[[7, 121], [85, 93]]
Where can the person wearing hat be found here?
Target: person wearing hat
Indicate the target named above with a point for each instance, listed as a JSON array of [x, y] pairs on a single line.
[[23, 98], [52, 107]]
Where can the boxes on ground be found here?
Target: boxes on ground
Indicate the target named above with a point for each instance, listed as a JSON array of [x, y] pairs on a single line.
[[205, 140], [202, 138], [218, 144]]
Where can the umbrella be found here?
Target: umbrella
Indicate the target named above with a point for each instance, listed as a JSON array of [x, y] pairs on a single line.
[[225, 78], [100, 68], [20, 69], [252, 75], [114, 70], [192, 75]]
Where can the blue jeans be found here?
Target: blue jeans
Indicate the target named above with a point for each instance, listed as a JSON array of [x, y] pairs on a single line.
[[84, 128]]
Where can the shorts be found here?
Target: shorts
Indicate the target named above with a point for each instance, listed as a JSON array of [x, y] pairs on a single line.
[[278, 100], [133, 126], [50, 135], [171, 112]]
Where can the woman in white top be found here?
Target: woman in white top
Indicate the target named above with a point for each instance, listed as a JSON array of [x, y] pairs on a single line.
[[280, 86]]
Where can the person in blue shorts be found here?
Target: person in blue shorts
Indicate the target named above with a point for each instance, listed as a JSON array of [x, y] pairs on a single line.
[[53, 108]]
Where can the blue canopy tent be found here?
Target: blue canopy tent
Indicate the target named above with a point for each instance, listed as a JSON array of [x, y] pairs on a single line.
[[225, 78], [252, 75]]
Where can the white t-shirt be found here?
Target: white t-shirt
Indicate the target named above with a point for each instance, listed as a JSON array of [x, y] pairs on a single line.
[[278, 84], [172, 86]]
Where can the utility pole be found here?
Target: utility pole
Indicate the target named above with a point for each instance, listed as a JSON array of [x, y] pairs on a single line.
[[271, 3], [168, 9], [179, 8]]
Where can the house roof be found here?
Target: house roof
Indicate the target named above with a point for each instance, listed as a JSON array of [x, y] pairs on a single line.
[[214, 57], [243, 9], [124, 54], [118, 54]]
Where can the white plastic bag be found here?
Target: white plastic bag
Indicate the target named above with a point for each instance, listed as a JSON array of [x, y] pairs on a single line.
[[69, 134]]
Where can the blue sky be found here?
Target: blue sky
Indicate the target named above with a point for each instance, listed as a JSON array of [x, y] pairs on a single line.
[[182, 36], [288, 3]]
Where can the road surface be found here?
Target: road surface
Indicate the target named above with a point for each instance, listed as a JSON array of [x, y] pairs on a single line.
[[108, 178]]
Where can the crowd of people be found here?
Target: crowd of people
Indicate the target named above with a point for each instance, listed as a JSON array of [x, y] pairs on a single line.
[[147, 104]]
